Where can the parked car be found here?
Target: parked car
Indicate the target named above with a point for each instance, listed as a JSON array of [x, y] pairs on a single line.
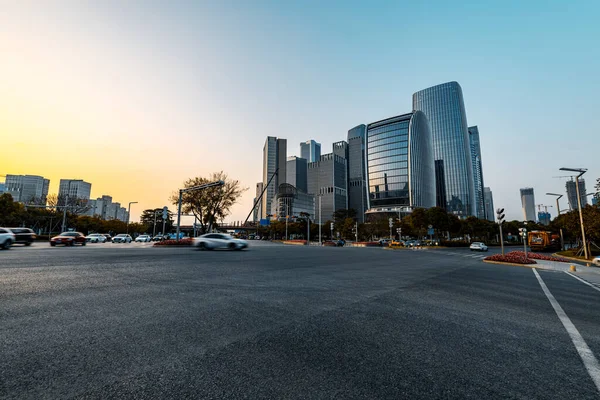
[[478, 246], [596, 261], [24, 236], [143, 238], [108, 237], [158, 238], [96, 238], [212, 241], [122, 238], [384, 242], [7, 238], [68, 239]]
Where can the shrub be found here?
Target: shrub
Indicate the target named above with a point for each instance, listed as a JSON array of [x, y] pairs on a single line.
[[538, 256], [513, 257], [182, 242]]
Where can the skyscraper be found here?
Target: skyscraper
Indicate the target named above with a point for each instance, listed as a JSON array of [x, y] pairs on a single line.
[[74, 190], [257, 213], [400, 164], [357, 171], [29, 189], [297, 170], [445, 109], [528, 203], [327, 179], [477, 171], [310, 151], [488, 201], [274, 158], [572, 194]]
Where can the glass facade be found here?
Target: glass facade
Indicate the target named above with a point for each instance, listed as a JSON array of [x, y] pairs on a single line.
[[477, 171], [400, 166], [445, 110], [310, 151], [274, 159], [528, 203], [289, 201]]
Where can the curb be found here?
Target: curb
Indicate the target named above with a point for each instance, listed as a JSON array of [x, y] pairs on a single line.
[[513, 264], [587, 262]]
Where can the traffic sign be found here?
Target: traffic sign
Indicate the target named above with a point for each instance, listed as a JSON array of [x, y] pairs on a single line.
[[165, 212]]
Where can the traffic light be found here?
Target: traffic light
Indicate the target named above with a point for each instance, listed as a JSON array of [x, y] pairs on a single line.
[[331, 226], [500, 215]]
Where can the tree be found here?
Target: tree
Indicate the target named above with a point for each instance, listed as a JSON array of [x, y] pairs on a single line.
[[75, 206], [211, 204], [147, 219], [597, 195], [11, 212]]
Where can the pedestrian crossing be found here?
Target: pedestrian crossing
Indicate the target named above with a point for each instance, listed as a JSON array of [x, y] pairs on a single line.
[[477, 256]]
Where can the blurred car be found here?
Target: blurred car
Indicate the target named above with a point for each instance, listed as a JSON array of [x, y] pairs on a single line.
[[212, 241], [96, 238], [122, 238], [108, 237], [596, 261], [7, 238], [24, 236], [158, 238], [384, 242], [340, 243], [68, 239], [478, 246], [143, 238]]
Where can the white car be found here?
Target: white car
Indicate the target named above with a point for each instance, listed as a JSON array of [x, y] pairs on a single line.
[[122, 238], [478, 246], [95, 238], [7, 238], [596, 261], [212, 241], [143, 238]]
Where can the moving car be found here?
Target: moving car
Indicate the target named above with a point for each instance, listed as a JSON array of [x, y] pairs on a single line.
[[7, 238], [122, 238], [143, 238], [68, 239], [108, 237], [596, 261], [478, 246], [24, 236], [96, 238], [158, 238], [212, 241]]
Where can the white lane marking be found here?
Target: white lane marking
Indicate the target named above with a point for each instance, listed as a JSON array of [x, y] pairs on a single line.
[[581, 280], [589, 360]]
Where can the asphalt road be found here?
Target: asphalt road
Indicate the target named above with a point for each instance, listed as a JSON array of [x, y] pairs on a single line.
[[287, 322]]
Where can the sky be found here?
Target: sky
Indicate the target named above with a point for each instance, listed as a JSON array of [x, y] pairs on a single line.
[[137, 97]]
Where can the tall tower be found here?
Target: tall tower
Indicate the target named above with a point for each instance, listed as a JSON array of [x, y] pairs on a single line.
[[528, 203], [572, 194], [445, 109], [477, 171], [310, 151], [357, 171], [274, 157]]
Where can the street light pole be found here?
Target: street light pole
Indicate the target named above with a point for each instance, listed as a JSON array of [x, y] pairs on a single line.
[[128, 211], [581, 172], [64, 221], [181, 191], [320, 241]]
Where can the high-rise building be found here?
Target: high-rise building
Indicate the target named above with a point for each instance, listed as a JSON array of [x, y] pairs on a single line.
[[357, 171], [310, 151], [544, 217], [297, 170], [445, 110], [29, 189], [74, 190], [258, 208], [477, 171], [2, 187], [400, 165], [327, 179], [274, 159], [488, 202], [528, 203], [289, 202], [572, 194]]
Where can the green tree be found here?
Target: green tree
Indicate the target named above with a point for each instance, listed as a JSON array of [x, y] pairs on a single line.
[[147, 219], [11, 212]]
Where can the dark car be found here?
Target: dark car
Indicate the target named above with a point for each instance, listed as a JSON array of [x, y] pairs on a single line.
[[108, 237], [68, 239], [24, 236]]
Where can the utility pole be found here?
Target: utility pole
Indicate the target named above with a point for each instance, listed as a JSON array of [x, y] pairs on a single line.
[[320, 241]]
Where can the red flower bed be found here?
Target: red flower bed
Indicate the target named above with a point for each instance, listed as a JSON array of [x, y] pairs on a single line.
[[182, 242], [538, 256], [367, 244], [513, 257]]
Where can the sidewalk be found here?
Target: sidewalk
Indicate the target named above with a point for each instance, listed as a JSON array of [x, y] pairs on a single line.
[[590, 274]]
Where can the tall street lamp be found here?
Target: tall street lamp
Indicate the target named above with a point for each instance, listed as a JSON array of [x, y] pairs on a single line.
[[558, 196], [64, 221], [128, 211], [581, 172]]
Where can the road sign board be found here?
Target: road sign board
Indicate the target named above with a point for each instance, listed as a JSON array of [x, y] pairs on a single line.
[[430, 231]]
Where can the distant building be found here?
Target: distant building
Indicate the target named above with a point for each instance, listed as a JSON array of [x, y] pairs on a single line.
[[292, 202], [357, 171], [297, 173], [257, 213], [105, 209], [327, 178], [274, 158], [544, 217], [477, 171], [595, 200], [488, 202], [28, 189], [2, 188], [444, 108], [400, 164], [528, 204], [73, 190], [310, 151], [572, 194]]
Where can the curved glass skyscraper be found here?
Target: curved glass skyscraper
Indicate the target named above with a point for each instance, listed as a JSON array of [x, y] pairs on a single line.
[[400, 166], [445, 109]]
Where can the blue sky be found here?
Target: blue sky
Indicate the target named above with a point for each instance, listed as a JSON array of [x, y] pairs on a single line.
[[186, 88]]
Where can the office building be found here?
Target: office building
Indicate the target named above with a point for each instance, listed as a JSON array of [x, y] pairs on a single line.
[[327, 179], [274, 159], [572, 194], [488, 202], [357, 171], [297, 170], [105, 209], [75, 190], [2, 188], [28, 189], [290, 202], [477, 171], [528, 204], [310, 151], [544, 217], [257, 212], [400, 165], [444, 108]]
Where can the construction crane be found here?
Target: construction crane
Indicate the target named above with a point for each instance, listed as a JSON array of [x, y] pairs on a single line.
[[539, 206]]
